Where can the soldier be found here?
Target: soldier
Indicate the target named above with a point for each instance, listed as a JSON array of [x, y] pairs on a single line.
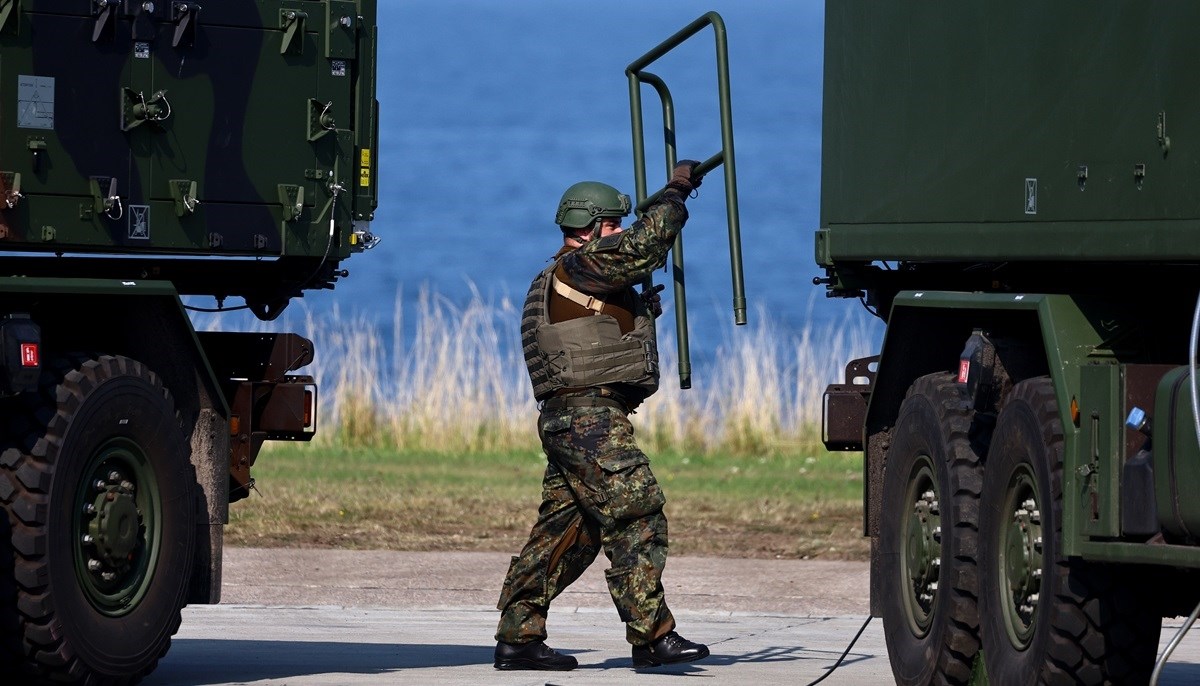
[[590, 348]]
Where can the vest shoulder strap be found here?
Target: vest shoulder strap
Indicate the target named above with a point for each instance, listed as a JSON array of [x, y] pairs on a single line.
[[576, 296]]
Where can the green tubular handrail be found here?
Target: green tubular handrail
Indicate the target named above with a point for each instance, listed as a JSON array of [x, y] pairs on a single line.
[[637, 76]]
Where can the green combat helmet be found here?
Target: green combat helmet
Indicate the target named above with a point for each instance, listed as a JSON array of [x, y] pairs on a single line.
[[582, 203]]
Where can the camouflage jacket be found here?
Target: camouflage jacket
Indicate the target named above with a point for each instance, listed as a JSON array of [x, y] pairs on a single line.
[[598, 269]]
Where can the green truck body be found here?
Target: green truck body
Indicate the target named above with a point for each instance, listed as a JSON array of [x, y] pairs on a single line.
[[1010, 189], [148, 151]]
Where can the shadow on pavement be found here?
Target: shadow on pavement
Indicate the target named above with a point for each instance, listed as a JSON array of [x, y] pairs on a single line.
[[194, 662], [763, 655]]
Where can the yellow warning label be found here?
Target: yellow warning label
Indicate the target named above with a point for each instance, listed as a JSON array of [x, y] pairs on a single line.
[[364, 174]]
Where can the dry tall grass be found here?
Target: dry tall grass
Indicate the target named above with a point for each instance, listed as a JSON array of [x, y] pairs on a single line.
[[459, 384]]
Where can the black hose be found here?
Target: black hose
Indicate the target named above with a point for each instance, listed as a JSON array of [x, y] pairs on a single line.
[[844, 654]]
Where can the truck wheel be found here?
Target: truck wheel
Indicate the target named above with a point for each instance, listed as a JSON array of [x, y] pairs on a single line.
[[928, 533], [101, 502], [1048, 619]]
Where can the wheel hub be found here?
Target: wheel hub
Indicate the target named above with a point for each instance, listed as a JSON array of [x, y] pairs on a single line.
[[1021, 563], [116, 527], [922, 547], [116, 530]]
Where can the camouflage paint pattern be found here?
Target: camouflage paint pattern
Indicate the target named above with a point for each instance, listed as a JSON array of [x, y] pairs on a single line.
[[625, 259], [237, 132], [598, 494]]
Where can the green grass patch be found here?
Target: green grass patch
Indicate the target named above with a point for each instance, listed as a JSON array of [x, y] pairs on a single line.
[[801, 504]]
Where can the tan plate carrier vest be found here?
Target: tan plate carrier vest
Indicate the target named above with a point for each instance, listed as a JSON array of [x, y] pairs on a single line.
[[586, 351]]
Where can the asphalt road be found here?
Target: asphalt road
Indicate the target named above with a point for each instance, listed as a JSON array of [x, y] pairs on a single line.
[[348, 618]]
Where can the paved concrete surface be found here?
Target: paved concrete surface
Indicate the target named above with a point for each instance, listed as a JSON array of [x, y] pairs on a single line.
[[334, 618]]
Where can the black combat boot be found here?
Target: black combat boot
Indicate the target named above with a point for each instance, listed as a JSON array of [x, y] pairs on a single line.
[[668, 649], [534, 655]]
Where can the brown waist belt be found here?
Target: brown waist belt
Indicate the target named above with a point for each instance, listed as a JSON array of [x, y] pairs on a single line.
[[582, 401]]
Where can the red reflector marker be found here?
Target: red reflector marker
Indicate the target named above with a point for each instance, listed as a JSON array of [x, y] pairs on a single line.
[[964, 369], [29, 355]]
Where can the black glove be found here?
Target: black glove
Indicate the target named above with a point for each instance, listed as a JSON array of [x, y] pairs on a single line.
[[683, 177], [653, 300]]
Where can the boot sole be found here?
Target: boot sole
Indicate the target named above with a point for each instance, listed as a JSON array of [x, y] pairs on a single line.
[[653, 662], [513, 665]]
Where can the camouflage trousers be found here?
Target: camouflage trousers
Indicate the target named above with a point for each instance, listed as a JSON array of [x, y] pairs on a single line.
[[598, 493]]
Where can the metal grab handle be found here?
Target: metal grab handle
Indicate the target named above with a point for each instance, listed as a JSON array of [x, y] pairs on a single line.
[[637, 76]]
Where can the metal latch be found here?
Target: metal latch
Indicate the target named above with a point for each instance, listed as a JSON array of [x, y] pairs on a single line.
[[292, 199], [184, 15], [292, 23], [105, 14], [137, 110], [10, 187], [320, 119], [104, 196], [10, 16], [183, 191]]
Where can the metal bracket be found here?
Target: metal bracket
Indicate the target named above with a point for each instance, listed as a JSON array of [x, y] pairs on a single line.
[[292, 23], [341, 29], [37, 147], [215, 240], [104, 196], [48, 233], [184, 15], [10, 16], [137, 110], [183, 191], [105, 13], [10, 189], [143, 12], [320, 119], [292, 199]]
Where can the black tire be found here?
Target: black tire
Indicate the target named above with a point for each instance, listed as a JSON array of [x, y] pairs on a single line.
[[100, 495], [1048, 619], [931, 485]]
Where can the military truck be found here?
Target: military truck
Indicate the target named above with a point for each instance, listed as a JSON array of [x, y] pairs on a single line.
[[1011, 188], [151, 150]]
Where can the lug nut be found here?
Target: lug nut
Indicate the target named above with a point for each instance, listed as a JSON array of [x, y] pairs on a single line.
[[100, 485], [114, 476], [89, 509], [87, 539], [94, 565], [127, 486], [108, 576]]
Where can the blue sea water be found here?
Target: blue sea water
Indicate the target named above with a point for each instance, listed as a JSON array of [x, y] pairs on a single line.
[[489, 110]]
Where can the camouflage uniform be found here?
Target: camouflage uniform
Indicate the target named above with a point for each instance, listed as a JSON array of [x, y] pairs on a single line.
[[598, 491]]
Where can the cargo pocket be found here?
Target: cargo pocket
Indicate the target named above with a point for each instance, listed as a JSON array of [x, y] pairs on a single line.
[[630, 491], [506, 592], [620, 586], [553, 423]]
